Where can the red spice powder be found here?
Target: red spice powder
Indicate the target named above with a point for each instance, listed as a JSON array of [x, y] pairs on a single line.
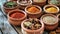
[[17, 15]]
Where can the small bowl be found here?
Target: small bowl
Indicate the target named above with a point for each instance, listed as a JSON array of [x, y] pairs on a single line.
[[40, 3], [50, 26], [46, 6], [33, 15], [52, 4], [6, 10], [22, 5], [15, 21], [28, 31]]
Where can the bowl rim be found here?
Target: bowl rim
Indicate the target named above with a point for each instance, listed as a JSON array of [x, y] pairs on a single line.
[[58, 16], [28, 30], [35, 6], [49, 15], [17, 11], [12, 7], [52, 6], [24, 4]]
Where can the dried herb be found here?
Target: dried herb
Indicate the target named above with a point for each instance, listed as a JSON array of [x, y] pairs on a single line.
[[55, 2], [32, 24], [10, 4]]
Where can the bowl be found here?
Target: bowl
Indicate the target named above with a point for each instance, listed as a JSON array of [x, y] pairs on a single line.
[[28, 31], [23, 4], [49, 25], [6, 9], [49, 7], [16, 21], [39, 3], [33, 15]]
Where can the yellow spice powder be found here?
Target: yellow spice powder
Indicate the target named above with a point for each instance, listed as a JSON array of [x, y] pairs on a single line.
[[51, 10]]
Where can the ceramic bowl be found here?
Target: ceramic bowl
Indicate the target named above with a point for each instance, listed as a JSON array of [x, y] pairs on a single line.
[[15, 21], [50, 26], [33, 15]]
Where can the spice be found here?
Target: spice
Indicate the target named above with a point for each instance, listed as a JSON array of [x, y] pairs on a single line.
[[51, 10], [55, 2], [33, 9], [10, 4], [49, 19], [38, 0], [17, 15], [24, 2], [32, 24]]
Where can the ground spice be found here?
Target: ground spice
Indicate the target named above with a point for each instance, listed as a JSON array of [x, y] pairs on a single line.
[[51, 10], [33, 9], [17, 15]]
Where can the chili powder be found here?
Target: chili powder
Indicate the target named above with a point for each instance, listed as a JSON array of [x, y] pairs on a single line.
[[17, 15]]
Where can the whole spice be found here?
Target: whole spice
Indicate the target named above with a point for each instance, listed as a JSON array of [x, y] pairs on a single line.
[[49, 19], [51, 10], [10, 4], [32, 24], [17, 15], [33, 9]]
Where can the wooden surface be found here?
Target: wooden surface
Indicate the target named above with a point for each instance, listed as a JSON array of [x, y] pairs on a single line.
[[18, 29], [6, 28]]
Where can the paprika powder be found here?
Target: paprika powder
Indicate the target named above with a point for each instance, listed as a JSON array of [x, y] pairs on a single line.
[[17, 15]]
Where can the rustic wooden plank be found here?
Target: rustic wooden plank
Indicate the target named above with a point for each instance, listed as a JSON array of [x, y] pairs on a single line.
[[6, 27]]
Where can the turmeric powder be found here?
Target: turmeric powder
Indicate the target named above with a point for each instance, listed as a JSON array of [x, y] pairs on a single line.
[[51, 10]]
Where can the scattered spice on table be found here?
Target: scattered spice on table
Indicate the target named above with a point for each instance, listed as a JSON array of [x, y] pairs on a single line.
[[17, 15], [51, 10], [33, 9], [32, 24]]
